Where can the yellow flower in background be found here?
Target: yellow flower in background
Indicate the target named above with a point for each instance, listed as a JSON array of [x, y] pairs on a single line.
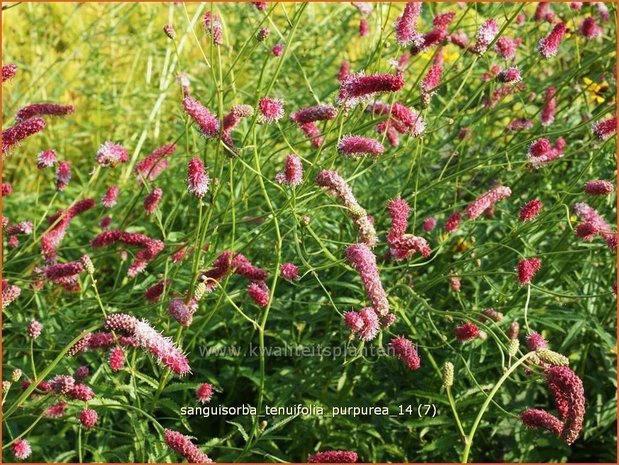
[[594, 90]]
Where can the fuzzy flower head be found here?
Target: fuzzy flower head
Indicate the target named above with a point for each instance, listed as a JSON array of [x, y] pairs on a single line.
[[364, 324], [46, 159], [63, 175], [278, 50], [541, 152], [506, 47], [485, 35], [527, 267], [259, 293], [429, 224], [511, 74], [21, 449], [34, 329], [569, 395], [605, 129], [180, 312], [293, 172], [111, 154], [536, 341], [88, 418], [315, 113], [110, 197], [8, 71], [204, 392], [530, 210], [271, 110], [406, 351], [356, 146], [467, 331], [599, 187], [152, 200], [589, 29], [197, 178], [549, 46], [453, 222], [289, 271], [43, 109]]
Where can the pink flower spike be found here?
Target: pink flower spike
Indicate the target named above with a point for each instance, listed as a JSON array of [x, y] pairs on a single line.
[[356, 146], [289, 271], [486, 201], [154, 292], [506, 47], [511, 74], [363, 261], [34, 329], [405, 351], [467, 331], [197, 178], [271, 110], [315, 113], [569, 398], [46, 159], [21, 448], [152, 200], [550, 104], [604, 130], [206, 121], [527, 267], [599, 187], [259, 293], [204, 392], [293, 172], [182, 313], [429, 224], [15, 134], [260, 5], [333, 456], [405, 26], [357, 87], [43, 109], [63, 175], [453, 222], [364, 28], [549, 46], [182, 445], [117, 359], [213, 28], [530, 210], [111, 154], [537, 418], [344, 71], [110, 197], [364, 324], [151, 166], [8, 72], [589, 29], [536, 341]]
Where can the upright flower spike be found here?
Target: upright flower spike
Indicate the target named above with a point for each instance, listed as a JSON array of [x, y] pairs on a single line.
[[364, 28], [289, 271], [357, 146], [549, 46], [259, 293], [278, 50], [271, 110], [363, 261], [293, 172], [197, 178], [541, 152], [432, 79], [110, 197], [151, 201], [63, 175], [405, 351], [151, 166], [530, 210], [506, 47], [402, 245], [405, 26], [550, 105], [605, 129], [453, 222], [206, 121], [589, 29], [344, 71], [34, 329], [333, 456], [213, 28], [527, 267], [358, 87], [182, 445], [536, 341], [43, 109], [486, 201], [485, 35], [15, 134]]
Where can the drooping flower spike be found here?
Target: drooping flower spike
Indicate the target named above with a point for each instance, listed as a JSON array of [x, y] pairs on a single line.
[[43, 109], [333, 456], [206, 121], [293, 172], [361, 258], [358, 87], [356, 146], [486, 201], [22, 130], [405, 26], [61, 221], [197, 178], [549, 46], [406, 351]]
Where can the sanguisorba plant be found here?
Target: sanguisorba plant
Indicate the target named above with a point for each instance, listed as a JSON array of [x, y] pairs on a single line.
[[418, 195]]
